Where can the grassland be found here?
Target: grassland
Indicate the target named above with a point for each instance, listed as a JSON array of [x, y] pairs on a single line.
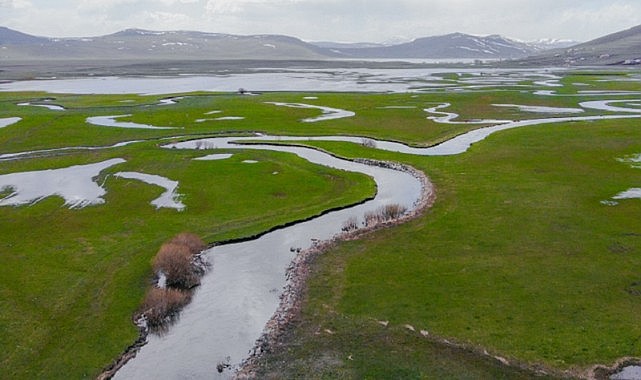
[[71, 279], [518, 255]]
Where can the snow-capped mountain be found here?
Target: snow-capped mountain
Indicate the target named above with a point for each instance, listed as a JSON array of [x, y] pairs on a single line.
[[138, 44], [132, 44], [621, 48], [552, 43], [455, 45]]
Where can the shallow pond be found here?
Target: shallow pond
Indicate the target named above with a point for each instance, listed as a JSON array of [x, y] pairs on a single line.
[[5, 122], [110, 121], [169, 199], [329, 113], [74, 184], [51, 107]]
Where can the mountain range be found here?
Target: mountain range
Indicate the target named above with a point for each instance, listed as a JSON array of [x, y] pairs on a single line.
[[454, 45], [621, 48], [137, 44]]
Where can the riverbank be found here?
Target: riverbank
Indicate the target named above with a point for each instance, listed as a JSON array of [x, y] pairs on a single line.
[[298, 271], [516, 258]]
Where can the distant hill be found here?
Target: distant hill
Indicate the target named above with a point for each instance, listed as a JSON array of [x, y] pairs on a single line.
[[132, 44], [12, 37], [622, 48], [455, 45], [347, 45], [138, 44]]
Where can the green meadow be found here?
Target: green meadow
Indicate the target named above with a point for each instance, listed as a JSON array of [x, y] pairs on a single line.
[[518, 256]]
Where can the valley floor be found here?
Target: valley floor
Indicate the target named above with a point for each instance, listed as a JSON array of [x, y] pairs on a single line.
[[530, 252]]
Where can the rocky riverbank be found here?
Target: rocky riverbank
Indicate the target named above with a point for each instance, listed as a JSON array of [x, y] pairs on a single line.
[[298, 270]]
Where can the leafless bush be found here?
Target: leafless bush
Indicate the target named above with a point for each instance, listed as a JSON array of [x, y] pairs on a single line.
[[392, 211], [182, 265], [384, 214], [161, 306], [199, 144], [191, 241], [371, 218], [350, 224], [177, 262]]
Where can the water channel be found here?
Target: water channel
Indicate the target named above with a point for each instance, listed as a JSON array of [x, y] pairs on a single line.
[[240, 294]]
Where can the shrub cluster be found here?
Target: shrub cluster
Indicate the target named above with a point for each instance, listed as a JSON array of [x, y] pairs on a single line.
[[180, 263]]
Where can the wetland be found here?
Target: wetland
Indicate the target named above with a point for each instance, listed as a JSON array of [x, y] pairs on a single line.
[[519, 201]]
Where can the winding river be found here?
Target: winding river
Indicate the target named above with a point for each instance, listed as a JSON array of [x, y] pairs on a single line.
[[240, 295]]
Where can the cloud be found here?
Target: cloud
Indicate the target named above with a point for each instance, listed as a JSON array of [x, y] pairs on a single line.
[[616, 13], [221, 7], [342, 20], [15, 4], [169, 3], [159, 20]]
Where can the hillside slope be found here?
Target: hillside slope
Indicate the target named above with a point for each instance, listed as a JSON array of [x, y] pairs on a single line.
[[618, 48]]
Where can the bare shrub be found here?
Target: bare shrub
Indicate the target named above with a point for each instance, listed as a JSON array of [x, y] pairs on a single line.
[[350, 224], [384, 214], [192, 241], [161, 306], [176, 261], [392, 211], [371, 218], [180, 262]]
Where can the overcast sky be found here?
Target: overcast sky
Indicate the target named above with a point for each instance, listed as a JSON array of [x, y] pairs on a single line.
[[335, 20]]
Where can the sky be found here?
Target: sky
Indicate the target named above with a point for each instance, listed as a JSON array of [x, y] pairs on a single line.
[[328, 20]]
